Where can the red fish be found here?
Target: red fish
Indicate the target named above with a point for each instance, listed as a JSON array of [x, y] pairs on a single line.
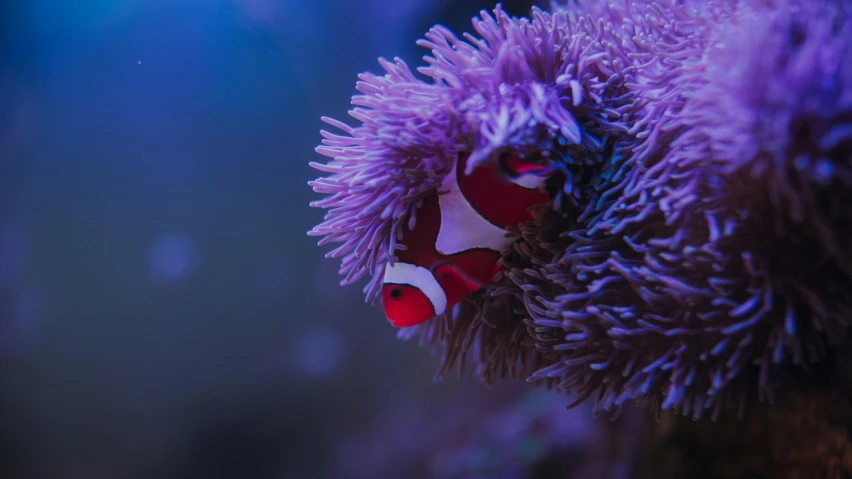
[[456, 242]]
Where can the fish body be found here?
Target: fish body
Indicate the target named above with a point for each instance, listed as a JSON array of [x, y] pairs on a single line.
[[456, 241]]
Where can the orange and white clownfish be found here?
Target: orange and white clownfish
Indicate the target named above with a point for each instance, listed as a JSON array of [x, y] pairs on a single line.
[[458, 236]]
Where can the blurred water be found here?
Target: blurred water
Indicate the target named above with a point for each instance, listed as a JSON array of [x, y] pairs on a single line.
[[172, 257], [319, 352]]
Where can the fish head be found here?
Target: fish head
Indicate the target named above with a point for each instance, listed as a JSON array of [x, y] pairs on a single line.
[[459, 234], [412, 294]]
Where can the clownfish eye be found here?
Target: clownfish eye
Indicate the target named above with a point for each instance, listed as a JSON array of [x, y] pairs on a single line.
[[406, 305]]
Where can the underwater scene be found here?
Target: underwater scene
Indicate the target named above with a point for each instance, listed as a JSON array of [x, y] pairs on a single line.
[[281, 239]]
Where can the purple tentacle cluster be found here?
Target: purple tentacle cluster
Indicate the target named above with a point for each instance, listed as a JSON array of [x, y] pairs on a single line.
[[698, 241]]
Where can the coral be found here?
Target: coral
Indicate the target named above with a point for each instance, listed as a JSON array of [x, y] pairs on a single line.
[[804, 435], [694, 249]]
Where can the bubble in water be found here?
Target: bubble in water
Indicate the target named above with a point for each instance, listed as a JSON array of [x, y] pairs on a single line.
[[319, 352], [172, 257]]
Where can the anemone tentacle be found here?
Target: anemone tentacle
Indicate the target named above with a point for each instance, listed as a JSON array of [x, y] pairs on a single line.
[[696, 245]]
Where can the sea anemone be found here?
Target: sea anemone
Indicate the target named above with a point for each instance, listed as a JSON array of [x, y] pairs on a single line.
[[695, 246]]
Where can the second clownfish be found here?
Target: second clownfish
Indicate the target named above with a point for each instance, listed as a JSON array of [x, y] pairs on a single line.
[[458, 236]]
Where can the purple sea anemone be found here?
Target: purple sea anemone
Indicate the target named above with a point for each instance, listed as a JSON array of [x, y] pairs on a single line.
[[696, 248], [737, 229]]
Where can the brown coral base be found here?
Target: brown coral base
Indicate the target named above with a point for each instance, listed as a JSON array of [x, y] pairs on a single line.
[[806, 434]]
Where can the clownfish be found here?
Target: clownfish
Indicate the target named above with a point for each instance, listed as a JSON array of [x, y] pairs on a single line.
[[458, 236]]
